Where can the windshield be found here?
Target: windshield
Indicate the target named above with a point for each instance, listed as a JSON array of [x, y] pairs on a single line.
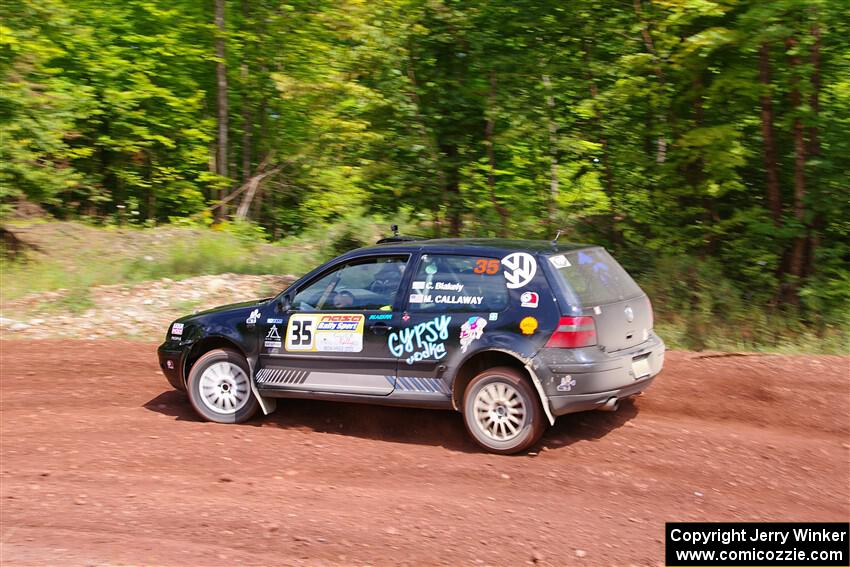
[[592, 277]]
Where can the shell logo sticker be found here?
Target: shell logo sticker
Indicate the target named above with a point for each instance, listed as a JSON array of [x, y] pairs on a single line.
[[528, 325]]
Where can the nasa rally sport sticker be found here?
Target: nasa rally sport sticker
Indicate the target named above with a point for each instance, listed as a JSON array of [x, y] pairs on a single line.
[[520, 268], [318, 332]]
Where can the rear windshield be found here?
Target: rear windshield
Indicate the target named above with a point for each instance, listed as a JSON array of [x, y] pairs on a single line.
[[592, 277]]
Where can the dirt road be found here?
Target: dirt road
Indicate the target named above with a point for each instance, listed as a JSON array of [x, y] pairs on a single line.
[[103, 464]]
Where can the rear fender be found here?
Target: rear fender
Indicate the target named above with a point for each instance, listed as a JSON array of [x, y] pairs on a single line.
[[523, 351]]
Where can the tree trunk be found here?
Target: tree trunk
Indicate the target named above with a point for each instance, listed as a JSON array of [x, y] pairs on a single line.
[[695, 170], [437, 222], [247, 128], [813, 238], [489, 128], [553, 151], [795, 265], [814, 98], [150, 204], [221, 85], [429, 142], [649, 44], [608, 172], [774, 197], [257, 206], [451, 189], [251, 187]]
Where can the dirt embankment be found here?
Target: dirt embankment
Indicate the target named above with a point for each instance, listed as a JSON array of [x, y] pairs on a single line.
[[103, 464], [132, 311]]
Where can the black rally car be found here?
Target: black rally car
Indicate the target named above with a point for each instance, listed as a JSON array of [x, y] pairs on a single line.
[[511, 333]]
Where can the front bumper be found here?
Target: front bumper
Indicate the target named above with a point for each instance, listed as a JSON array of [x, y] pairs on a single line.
[[171, 364], [586, 378]]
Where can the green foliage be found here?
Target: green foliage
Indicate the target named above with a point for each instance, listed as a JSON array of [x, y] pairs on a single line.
[[76, 300], [212, 253], [699, 308], [353, 231], [137, 255], [646, 126]]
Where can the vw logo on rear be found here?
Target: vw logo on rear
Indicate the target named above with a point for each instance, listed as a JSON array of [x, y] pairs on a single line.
[[630, 314], [520, 268]]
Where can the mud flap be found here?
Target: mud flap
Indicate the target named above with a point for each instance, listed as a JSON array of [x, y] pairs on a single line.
[[544, 399], [268, 405]]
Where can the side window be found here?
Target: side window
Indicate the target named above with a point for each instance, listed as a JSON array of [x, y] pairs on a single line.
[[360, 285], [458, 283]]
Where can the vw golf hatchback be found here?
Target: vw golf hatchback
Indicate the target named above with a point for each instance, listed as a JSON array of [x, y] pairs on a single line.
[[511, 333]]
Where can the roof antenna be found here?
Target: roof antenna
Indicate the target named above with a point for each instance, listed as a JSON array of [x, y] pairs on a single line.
[[394, 228], [555, 240]]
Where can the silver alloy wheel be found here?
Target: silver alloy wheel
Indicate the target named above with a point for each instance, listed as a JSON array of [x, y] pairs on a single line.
[[500, 411], [224, 388]]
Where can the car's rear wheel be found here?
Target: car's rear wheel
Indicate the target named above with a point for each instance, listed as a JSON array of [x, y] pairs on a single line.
[[219, 387], [501, 411]]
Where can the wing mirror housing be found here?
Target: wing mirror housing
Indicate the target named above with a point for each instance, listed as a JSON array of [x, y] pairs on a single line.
[[284, 304]]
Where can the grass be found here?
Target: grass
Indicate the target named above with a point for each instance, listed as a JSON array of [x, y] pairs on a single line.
[[217, 254], [697, 308], [186, 305], [76, 301], [75, 257], [701, 311], [677, 334]]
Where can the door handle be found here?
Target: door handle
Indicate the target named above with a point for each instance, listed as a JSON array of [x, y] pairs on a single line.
[[381, 328]]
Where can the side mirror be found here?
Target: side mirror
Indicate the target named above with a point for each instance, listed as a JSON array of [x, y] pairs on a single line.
[[283, 304]]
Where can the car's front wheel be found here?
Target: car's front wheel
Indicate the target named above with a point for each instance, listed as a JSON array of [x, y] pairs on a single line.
[[219, 387], [502, 412]]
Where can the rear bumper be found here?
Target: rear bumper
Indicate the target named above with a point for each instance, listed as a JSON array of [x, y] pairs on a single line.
[[561, 405], [171, 364], [586, 378]]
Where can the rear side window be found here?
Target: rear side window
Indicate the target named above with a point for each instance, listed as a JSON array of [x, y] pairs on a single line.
[[458, 283], [592, 277]]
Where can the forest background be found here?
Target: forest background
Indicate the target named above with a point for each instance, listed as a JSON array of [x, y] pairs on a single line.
[[704, 142]]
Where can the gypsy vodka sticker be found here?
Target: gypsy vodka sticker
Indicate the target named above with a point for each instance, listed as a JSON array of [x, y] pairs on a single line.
[[425, 340]]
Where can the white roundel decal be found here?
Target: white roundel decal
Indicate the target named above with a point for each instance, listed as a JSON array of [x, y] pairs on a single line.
[[520, 268]]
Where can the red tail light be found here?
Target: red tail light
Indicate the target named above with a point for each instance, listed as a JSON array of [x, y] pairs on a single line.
[[573, 332]]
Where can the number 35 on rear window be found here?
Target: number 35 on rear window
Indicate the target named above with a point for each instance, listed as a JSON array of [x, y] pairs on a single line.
[[486, 266]]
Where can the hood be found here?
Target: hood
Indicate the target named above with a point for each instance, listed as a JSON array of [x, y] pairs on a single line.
[[222, 309]]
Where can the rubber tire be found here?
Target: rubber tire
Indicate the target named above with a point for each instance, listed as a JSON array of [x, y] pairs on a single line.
[[533, 429], [245, 413]]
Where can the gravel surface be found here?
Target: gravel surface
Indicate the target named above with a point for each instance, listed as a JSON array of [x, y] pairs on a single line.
[[103, 464]]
